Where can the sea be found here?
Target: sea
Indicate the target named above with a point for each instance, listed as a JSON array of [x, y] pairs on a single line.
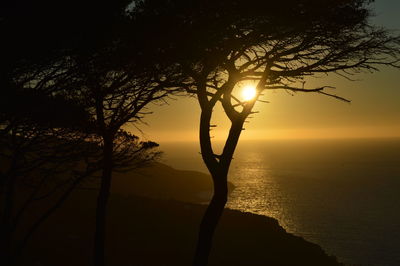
[[341, 194]]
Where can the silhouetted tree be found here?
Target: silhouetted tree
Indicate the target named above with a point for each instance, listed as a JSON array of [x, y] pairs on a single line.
[[85, 61], [114, 95], [46, 154], [37, 146], [219, 46]]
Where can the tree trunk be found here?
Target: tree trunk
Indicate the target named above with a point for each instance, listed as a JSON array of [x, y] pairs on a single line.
[[219, 172], [210, 219], [99, 240]]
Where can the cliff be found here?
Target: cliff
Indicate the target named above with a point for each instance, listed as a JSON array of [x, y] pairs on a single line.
[[153, 232]]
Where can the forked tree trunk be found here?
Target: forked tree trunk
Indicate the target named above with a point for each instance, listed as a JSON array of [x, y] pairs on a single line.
[[219, 172], [102, 199]]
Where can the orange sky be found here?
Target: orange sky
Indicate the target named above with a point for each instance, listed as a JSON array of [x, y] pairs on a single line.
[[373, 112]]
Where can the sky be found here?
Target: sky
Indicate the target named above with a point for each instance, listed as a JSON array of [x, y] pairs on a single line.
[[374, 111]]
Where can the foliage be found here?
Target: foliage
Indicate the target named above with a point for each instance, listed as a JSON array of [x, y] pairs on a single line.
[[68, 91], [219, 46]]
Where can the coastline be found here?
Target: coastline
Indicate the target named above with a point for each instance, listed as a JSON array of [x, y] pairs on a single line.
[[163, 231]]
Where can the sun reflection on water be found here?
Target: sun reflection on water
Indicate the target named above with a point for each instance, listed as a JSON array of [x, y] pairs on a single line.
[[258, 190], [342, 195]]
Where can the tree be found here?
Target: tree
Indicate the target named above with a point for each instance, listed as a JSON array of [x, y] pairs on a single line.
[[220, 46], [85, 61], [39, 159], [114, 96], [49, 146]]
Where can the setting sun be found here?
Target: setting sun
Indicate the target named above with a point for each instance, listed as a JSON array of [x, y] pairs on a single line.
[[274, 125], [248, 92]]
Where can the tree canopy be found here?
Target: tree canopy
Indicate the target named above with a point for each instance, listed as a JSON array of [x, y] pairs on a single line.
[[219, 46], [115, 58]]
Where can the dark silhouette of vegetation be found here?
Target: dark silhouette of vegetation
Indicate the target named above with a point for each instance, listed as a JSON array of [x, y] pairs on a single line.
[[220, 46], [102, 65], [83, 63], [43, 157], [114, 98], [38, 160]]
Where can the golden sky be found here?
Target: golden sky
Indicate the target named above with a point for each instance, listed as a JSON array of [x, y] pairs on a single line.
[[373, 112]]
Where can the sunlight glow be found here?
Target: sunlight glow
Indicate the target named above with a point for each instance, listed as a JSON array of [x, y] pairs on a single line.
[[249, 92]]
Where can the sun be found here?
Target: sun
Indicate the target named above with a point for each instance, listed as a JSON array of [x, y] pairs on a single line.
[[249, 92]]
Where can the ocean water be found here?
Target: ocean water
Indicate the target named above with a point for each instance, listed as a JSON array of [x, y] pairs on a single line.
[[341, 194]]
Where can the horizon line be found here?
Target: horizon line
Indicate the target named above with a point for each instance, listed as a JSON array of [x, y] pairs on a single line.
[[292, 139]]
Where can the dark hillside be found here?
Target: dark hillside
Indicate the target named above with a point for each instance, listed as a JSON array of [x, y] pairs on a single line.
[[143, 232]]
